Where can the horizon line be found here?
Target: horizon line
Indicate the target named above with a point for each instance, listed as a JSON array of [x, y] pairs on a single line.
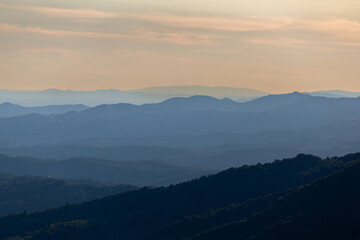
[[169, 86]]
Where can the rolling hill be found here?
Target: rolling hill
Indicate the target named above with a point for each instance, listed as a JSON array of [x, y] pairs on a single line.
[[29, 193], [206, 115], [139, 173], [10, 110], [113, 96], [218, 92], [240, 203], [336, 94]]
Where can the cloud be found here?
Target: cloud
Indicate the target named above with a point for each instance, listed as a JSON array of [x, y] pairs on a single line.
[[336, 31], [49, 51], [63, 12], [177, 38], [215, 23], [339, 26], [59, 33], [178, 21], [278, 41], [288, 42], [336, 27], [139, 34]]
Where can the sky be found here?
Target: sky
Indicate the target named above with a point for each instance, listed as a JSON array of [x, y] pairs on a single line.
[[274, 46]]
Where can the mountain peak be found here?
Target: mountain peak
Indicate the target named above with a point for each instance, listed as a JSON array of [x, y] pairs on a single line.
[[8, 104], [227, 99]]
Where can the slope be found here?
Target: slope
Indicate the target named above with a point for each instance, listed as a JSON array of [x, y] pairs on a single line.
[[326, 209], [139, 173], [142, 214], [10, 110], [29, 193]]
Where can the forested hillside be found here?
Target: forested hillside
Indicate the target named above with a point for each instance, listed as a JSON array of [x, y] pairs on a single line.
[[255, 197], [29, 193]]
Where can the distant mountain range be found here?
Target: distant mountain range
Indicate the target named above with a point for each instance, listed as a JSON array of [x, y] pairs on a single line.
[[113, 96], [140, 96], [10, 110], [238, 94], [177, 104], [336, 94], [300, 122], [299, 198], [139, 173], [194, 115], [218, 158], [197, 103]]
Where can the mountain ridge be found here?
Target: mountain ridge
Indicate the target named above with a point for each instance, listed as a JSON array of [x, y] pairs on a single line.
[[8, 109], [150, 172], [125, 121], [104, 96]]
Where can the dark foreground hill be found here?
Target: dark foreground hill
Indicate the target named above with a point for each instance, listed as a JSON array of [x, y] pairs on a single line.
[[28, 193], [326, 209], [279, 200]]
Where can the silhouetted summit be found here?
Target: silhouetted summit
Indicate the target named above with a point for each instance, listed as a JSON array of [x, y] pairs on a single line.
[[194, 103], [273, 101]]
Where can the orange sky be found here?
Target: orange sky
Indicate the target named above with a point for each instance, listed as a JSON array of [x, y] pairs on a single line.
[[276, 46]]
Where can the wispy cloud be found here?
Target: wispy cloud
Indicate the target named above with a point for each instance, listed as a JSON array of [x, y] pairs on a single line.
[[215, 23], [63, 12], [178, 21], [50, 51], [139, 34], [177, 38], [332, 46], [278, 41], [336, 27], [60, 33], [334, 30]]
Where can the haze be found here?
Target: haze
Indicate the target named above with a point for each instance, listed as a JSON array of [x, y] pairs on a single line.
[[274, 46]]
